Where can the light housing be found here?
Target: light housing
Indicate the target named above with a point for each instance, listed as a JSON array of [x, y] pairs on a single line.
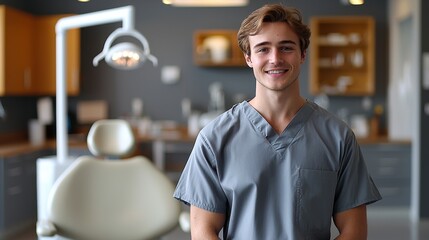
[[125, 55]]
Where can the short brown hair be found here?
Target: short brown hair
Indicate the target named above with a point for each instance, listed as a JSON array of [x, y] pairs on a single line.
[[273, 13]]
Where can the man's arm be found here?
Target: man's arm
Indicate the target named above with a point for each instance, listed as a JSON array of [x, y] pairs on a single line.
[[352, 223], [205, 225]]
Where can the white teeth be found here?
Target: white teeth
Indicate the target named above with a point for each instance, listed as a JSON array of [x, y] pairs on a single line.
[[276, 71]]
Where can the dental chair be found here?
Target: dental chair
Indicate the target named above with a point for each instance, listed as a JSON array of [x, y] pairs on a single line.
[[126, 198]]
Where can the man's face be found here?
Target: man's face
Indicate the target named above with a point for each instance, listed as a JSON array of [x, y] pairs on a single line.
[[275, 56]]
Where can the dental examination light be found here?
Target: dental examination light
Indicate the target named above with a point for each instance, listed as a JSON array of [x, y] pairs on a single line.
[[125, 55], [121, 56]]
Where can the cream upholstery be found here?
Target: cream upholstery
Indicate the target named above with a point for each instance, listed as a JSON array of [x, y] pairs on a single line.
[[104, 199], [111, 138]]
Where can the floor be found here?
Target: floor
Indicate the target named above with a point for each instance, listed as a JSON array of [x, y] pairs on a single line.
[[389, 224], [394, 224]]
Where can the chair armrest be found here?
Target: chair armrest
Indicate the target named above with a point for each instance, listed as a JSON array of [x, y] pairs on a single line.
[[45, 228], [185, 221]]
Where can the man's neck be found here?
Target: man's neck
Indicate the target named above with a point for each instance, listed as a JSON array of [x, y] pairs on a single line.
[[278, 110]]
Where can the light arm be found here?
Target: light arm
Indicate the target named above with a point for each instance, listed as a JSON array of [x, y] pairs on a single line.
[[123, 14]]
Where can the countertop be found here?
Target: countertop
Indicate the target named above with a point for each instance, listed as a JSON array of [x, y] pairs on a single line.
[[22, 147], [19, 146]]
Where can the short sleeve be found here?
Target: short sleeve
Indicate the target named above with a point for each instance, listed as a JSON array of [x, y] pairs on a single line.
[[355, 186], [199, 184]]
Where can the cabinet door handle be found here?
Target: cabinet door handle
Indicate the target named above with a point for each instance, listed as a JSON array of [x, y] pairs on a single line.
[[27, 78], [389, 162], [75, 79], [13, 172], [390, 191], [387, 171], [14, 190]]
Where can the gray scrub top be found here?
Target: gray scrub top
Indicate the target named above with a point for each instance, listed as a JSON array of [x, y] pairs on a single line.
[[273, 186]]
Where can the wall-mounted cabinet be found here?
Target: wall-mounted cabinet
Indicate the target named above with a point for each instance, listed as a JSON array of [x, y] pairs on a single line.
[[16, 52], [342, 52], [27, 54], [45, 55], [217, 48]]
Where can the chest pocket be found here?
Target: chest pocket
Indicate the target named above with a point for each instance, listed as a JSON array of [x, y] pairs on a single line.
[[316, 194]]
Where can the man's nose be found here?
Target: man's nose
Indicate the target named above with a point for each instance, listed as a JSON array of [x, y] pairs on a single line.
[[275, 56]]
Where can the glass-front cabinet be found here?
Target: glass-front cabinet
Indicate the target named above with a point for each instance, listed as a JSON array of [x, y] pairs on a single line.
[[342, 56]]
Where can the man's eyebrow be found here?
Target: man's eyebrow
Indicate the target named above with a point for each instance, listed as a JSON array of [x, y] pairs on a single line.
[[261, 44], [281, 42], [288, 42]]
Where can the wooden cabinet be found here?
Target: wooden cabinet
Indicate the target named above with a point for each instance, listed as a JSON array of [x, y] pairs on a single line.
[[342, 51], [45, 56], [16, 52], [27, 54], [217, 48]]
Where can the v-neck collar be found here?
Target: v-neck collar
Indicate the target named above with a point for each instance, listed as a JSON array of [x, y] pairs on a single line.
[[282, 140]]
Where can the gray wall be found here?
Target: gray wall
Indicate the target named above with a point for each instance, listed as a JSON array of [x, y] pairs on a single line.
[[169, 31]]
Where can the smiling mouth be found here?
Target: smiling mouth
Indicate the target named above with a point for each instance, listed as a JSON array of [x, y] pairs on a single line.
[[277, 71]]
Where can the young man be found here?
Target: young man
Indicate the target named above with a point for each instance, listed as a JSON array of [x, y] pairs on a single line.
[[277, 166]]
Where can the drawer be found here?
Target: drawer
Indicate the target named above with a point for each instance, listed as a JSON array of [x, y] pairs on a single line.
[[13, 162], [377, 151], [394, 192], [14, 205], [13, 175], [389, 167], [388, 161]]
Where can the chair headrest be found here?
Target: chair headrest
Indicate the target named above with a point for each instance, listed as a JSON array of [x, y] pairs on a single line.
[[113, 138]]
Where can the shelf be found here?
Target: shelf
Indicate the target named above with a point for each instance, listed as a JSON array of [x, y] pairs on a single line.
[[342, 56], [217, 48]]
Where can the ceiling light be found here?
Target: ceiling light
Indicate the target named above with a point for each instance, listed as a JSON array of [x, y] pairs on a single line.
[[356, 2], [353, 2], [206, 3]]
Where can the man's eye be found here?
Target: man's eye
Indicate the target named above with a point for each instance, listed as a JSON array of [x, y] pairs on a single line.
[[261, 50], [286, 48]]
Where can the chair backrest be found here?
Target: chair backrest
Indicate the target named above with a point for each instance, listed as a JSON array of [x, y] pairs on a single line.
[[112, 138], [127, 199]]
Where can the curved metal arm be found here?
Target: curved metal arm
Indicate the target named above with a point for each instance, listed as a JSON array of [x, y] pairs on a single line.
[[122, 14]]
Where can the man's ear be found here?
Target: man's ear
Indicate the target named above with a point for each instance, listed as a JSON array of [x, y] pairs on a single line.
[[303, 55], [248, 60]]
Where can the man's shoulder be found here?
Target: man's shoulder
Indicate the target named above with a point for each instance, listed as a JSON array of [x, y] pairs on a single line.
[[322, 115], [329, 121], [224, 121]]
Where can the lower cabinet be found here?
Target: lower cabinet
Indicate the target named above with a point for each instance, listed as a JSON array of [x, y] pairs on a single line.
[[18, 197], [390, 168]]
